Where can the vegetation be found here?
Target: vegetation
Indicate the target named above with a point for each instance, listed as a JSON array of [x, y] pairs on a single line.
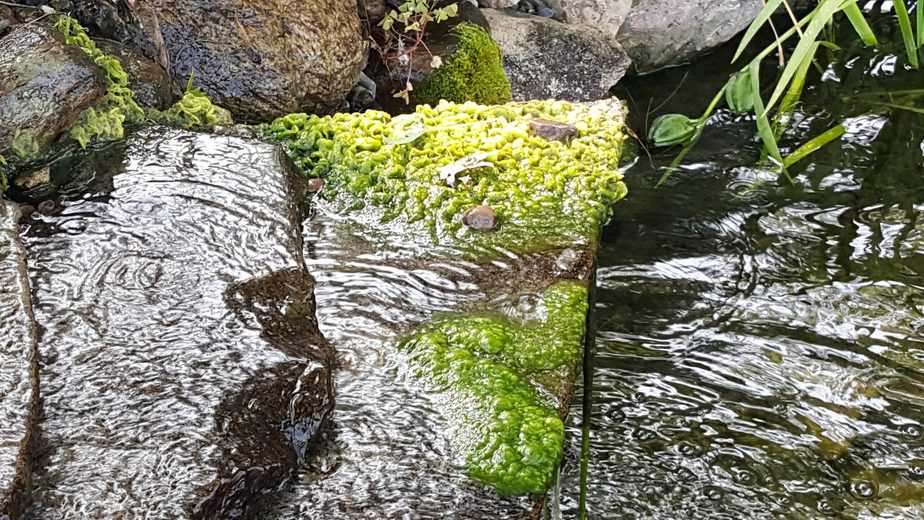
[[512, 438], [742, 92], [106, 120], [474, 72], [194, 111], [430, 167]]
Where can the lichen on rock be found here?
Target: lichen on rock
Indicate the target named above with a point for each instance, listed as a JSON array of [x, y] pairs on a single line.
[[474, 72], [106, 120], [510, 435], [427, 169]]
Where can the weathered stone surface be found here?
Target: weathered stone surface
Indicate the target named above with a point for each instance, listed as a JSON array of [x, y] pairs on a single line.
[[553, 130], [265, 58], [606, 15], [18, 368], [548, 59], [497, 4], [660, 33], [185, 372], [44, 86], [148, 80]]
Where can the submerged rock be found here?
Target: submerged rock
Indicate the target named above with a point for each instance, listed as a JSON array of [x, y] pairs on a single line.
[[18, 369], [262, 59], [45, 85], [549, 59], [185, 375]]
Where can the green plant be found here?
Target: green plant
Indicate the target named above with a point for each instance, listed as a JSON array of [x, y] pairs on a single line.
[[400, 34], [194, 111], [742, 92]]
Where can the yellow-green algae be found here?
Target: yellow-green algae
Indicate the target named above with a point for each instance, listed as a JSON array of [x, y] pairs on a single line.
[[474, 72], [194, 111], [105, 120], [487, 365], [545, 193]]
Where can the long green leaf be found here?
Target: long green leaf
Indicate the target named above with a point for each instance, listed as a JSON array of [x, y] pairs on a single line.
[[820, 18], [769, 8], [859, 23], [793, 95], [909, 108], [904, 23], [763, 125], [919, 14], [813, 145]]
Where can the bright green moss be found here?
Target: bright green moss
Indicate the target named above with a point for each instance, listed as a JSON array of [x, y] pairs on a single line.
[[475, 72], [512, 438], [194, 111], [106, 120], [545, 193]]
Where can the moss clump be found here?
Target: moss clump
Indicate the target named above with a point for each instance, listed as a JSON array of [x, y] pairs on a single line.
[[512, 439], [106, 120], [194, 111], [428, 168], [475, 72]]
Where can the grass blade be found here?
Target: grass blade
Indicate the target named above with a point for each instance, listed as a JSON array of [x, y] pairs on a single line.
[[860, 25], [763, 125], [769, 8], [909, 108], [919, 15], [813, 145], [904, 23], [820, 18]]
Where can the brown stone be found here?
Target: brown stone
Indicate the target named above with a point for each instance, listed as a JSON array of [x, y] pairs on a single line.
[[552, 130], [481, 218], [315, 184]]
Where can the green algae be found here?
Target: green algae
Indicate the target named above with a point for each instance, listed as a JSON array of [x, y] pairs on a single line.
[[486, 365], [194, 111], [106, 120], [475, 72], [425, 170]]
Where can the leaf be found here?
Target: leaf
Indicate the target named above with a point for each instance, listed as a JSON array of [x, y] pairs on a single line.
[[470, 162], [388, 22], [451, 10], [436, 62], [413, 27], [762, 17], [814, 145], [820, 18], [763, 125], [403, 94], [904, 23], [739, 95], [855, 15], [409, 134], [919, 15], [672, 129]]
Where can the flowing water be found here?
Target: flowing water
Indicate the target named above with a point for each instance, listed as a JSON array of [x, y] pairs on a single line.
[[759, 344]]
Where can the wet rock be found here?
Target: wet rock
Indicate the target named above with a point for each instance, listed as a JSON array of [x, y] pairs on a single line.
[[44, 87], [548, 59], [33, 179], [185, 371], [660, 33], [605, 15], [315, 184], [481, 218], [148, 80], [18, 368], [262, 59], [552, 130]]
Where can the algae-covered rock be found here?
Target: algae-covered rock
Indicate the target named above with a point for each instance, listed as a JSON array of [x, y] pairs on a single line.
[[45, 87], [265, 58], [473, 72], [149, 82], [489, 368], [422, 172]]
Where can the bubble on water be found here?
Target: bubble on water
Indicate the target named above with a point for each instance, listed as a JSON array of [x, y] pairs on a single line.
[[863, 489]]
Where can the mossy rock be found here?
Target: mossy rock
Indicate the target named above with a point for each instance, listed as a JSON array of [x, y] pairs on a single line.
[[420, 173], [474, 72]]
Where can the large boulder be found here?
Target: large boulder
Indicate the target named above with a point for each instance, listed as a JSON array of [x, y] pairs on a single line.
[[264, 58], [146, 78], [45, 85], [18, 368], [606, 15], [548, 59], [184, 375], [660, 33]]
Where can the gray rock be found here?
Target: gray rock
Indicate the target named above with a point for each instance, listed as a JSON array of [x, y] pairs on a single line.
[[660, 33], [184, 375], [497, 4], [18, 368], [606, 15], [44, 87], [548, 59], [262, 58]]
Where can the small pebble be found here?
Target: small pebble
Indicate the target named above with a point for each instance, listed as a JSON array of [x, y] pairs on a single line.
[[47, 207], [552, 130], [481, 218], [315, 184]]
